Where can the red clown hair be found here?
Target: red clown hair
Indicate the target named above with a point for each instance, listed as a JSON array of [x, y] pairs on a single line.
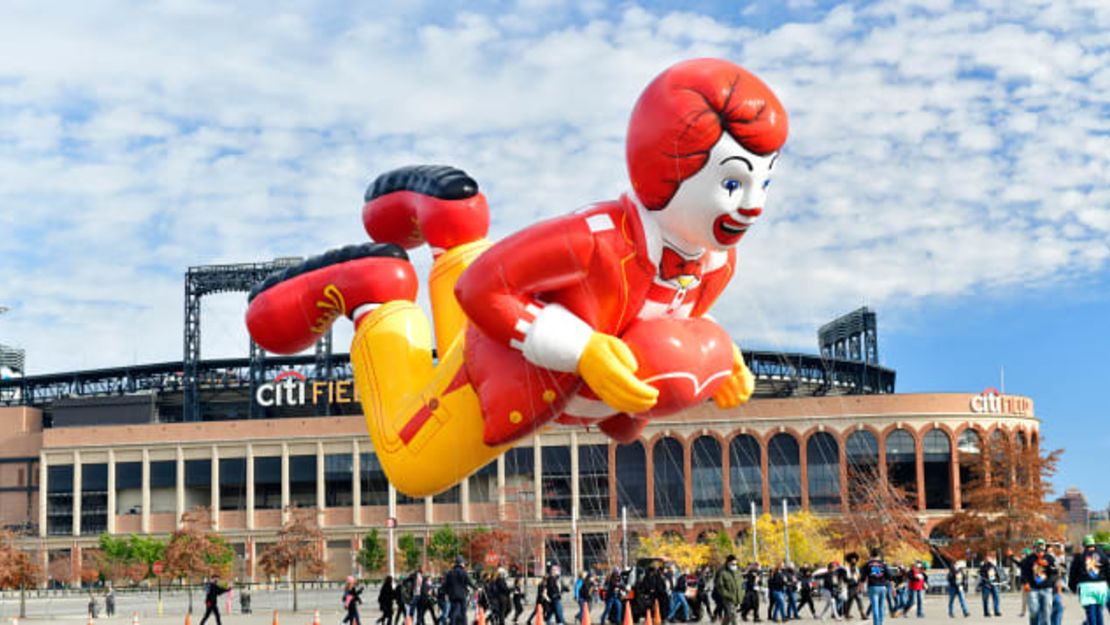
[[680, 117]]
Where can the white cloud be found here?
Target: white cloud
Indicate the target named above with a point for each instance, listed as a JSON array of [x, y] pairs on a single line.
[[936, 149]]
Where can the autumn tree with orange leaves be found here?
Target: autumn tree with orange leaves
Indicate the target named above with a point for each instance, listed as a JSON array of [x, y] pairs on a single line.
[[1005, 504], [17, 569], [195, 553], [881, 516], [298, 549]]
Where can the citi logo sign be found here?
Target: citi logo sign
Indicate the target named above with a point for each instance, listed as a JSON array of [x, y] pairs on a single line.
[[290, 388], [990, 401]]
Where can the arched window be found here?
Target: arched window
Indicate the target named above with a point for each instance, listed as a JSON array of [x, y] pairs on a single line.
[[969, 446], [706, 479], [745, 474], [862, 454], [670, 478], [823, 472], [937, 449], [632, 479], [784, 470], [901, 462]]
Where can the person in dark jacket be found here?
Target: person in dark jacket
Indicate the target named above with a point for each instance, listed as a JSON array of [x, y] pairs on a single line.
[[553, 589], [352, 596], [805, 592], [212, 592], [750, 599], [727, 585], [385, 602], [1087, 578], [457, 586], [678, 597], [988, 585], [1038, 572], [517, 595], [776, 588], [614, 598], [852, 585], [957, 577]]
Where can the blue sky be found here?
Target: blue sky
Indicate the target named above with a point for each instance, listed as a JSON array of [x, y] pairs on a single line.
[[947, 165]]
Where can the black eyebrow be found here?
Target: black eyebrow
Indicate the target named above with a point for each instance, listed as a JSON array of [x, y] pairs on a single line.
[[738, 158]]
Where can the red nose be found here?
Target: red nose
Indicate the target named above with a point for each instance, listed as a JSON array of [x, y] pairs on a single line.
[[750, 212]]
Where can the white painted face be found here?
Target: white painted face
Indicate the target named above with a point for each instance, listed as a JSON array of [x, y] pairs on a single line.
[[715, 207]]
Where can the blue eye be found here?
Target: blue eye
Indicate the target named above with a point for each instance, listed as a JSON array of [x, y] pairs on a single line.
[[730, 184], [766, 183]]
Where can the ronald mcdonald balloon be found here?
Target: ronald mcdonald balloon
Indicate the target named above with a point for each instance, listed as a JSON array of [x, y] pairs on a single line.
[[593, 319]]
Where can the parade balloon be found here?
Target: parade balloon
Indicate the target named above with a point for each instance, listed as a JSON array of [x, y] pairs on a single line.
[[593, 319]]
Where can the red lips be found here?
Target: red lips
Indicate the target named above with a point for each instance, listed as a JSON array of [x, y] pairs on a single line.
[[728, 231]]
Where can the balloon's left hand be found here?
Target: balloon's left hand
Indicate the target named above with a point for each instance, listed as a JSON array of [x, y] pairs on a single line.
[[738, 387]]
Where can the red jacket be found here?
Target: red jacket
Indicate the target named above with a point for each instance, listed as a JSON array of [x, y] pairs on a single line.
[[595, 263], [917, 579]]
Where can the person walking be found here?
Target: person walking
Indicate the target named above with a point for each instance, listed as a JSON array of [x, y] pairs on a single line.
[[1088, 577], [805, 591], [678, 597], [957, 576], [776, 603], [584, 589], [727, 585], [614, 591], [877, 578], [554, 591], [853, 581], [750, 602], [212, 592], [791, 590], [541, 606], [917, 584], [457, 587], [517, 596], [988, 586], [385, 602], [110, 602], [1038, 572], [831, 588], [352, 596]]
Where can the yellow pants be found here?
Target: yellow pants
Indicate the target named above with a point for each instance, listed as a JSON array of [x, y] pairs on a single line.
[[425, 420]]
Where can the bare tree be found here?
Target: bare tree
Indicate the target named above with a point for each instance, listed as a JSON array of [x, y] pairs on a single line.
[[881, 516], [298, 549]]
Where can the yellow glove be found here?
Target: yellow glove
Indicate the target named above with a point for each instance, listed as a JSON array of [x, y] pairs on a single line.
[[609, 369], [738, 388]]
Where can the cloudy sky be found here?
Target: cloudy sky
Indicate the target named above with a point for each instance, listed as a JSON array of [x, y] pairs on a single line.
[[948, 165]]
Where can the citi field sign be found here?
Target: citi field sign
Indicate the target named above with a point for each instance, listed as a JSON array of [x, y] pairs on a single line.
[[290, 388], [990, 401]]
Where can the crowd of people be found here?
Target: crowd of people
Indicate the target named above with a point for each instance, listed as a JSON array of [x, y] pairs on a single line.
[[870, 590]]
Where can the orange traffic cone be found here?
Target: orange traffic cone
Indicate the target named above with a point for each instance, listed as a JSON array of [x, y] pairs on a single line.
[[275, 618], [316, 617], [658, 619], [134, 618], [627, 613], [647, 617], [586, 614], [539, 616], [188, 619], [408, 618], [481, 616], [91, 620]]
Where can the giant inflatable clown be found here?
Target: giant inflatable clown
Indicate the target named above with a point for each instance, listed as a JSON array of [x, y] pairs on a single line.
[[596, 318]]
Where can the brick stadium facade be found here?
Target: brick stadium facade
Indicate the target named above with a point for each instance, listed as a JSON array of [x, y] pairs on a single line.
[[700, 472]]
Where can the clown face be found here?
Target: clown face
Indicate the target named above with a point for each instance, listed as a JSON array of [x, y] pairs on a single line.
[[715, 207]]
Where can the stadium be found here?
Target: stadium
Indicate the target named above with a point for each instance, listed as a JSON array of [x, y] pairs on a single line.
[[131, 449]]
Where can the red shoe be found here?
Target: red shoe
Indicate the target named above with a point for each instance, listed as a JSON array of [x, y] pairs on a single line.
[[289, 310], [623, 428], [436, 204]]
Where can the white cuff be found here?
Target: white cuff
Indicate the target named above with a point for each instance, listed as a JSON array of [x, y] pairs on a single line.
[[556, 339]]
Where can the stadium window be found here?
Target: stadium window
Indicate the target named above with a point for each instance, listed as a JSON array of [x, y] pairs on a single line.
[[338, 480], [233, 483], [670, 478], [94, 498], [823, 472], [302, 481], [745, 474], [901, 462], [784, 471], [632, 480], [267, 482], [198, 483], [593, 481], [555, 482], [706, 477], [519, 475], [129, 485], [969, 446], [374, 484], [482, 484], [862, 453], [937, 450], [59, 499], [163, 486]]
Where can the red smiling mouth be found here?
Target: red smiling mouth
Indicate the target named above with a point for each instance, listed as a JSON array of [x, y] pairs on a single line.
[[727, 230]]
